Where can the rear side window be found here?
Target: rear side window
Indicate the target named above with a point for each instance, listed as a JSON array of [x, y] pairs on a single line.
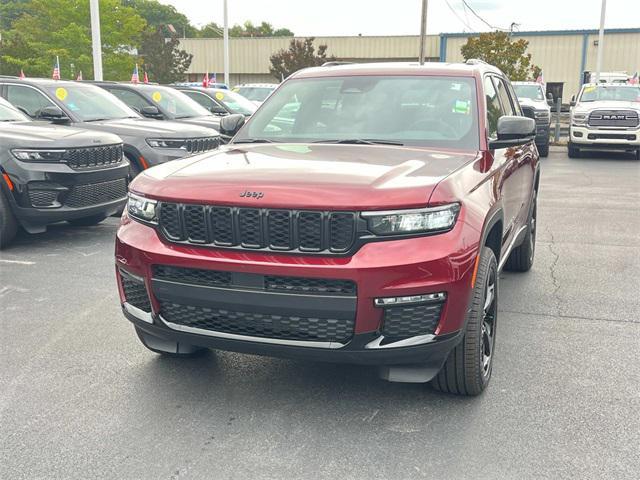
[[505, 99], [201, 98], [132, 99], [28, 99], [494, 109]]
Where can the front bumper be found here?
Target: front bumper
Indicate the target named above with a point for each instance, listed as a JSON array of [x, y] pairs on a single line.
[[417, 266], [606, 139]]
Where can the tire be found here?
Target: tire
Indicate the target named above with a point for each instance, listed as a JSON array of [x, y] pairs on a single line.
[[134, 167], [573, 152], [543, 150], [468, 367], [168, 348], [8, 223], [521, 258], [638, 154], [87, 221]]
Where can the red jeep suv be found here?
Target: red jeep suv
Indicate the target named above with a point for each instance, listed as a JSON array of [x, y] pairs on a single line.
[[362, 215]]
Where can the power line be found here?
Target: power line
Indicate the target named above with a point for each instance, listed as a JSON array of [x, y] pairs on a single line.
[[458, 16], [482, 19]]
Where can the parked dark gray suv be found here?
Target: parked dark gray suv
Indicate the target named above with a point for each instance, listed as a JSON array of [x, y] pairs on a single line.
[[54, 173], [146, 142]]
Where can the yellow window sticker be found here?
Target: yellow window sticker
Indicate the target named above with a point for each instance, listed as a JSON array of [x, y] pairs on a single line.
[[157, 96], [589, 89], [220, 95], [61, 93], [235, 89]]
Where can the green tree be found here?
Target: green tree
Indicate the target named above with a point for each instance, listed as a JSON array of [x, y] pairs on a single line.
[[10, 10], [159, 15], [62, 27], [210, 30], [265, 29], [300, 54], [499, 50], [163, 59]]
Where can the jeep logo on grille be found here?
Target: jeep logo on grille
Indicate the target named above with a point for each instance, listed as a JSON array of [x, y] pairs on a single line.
[[248, 194], [613, 117]]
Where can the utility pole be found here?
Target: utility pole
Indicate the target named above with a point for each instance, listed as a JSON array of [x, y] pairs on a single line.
[[600, 41], [226, 44], [423, 30], [96, 43]]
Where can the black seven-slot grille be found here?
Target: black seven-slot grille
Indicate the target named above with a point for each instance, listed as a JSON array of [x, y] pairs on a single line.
[[258, 228], [204, 144], [93, 157], [292, 320]]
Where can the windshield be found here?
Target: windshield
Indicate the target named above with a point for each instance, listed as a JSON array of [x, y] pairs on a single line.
[[10, 114], [235, 103], [625, 93], [429, 111], [90, 103], [532, 92], [255, 94], [175, 103]]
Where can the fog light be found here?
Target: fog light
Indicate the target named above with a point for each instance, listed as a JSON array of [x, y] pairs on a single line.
[[410, 299], [577, 134]]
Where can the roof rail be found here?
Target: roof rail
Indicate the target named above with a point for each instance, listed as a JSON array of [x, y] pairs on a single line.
[[8, 76], [475, 61], [335, 63]]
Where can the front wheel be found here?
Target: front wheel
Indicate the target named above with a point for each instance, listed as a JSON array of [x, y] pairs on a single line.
[[467, 370], [543, 150], [8, 223], [573, 152]]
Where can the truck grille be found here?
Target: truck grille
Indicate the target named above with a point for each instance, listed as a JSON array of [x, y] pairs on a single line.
[[613, 118], [198, 145], [409, 321], [96, 193], [258, 228], [80, 158], [254, 324]]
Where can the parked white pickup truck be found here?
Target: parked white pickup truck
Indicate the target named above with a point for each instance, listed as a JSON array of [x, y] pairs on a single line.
[[605, 117]]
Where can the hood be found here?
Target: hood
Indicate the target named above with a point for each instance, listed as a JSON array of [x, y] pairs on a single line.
[[209, 121], [37, 135], [355, 177], [585, 107], [537, 104], [147, 128]]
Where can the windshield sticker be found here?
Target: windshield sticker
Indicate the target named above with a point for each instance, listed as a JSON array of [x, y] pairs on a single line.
[[220, 95], [589, 89], [156, 96], [73, 107], [235, 89], [456, 87], [61, 93], [462, 106]]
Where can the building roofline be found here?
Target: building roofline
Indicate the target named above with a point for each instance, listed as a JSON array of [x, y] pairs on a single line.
[[542, 33]]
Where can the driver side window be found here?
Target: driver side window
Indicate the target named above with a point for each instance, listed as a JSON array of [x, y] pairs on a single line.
[[28, 99]]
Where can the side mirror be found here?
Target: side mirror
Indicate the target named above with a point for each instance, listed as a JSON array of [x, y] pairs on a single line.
[[513, 131], [230, 124], [53, 114], [151, 111], [218, 110]]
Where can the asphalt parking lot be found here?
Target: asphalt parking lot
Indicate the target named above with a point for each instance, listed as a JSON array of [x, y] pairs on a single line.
[[81, 398]]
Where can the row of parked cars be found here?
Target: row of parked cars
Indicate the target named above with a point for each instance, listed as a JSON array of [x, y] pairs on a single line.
[[68, 149]]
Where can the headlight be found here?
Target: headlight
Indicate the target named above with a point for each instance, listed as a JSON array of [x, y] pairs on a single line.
[[141, 208], [578, 118], [436, 219], [39, 155], [174, 143]]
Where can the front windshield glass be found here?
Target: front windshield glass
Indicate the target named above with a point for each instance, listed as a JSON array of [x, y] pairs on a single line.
[[90, 103], [532, 92], [235, 103], [625, 93], [175, 103], [255, 94], [10, 114], [432, 111]]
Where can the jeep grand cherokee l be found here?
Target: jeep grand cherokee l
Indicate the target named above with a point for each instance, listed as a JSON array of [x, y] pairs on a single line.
[[371, 229], [606, 117], [146, 142], [54, 173]]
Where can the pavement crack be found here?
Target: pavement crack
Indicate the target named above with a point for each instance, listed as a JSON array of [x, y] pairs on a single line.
[[552, 271]]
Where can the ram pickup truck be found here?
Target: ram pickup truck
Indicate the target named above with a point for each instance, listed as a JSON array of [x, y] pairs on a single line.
[[532, 96], [606, 118], [371, 229]]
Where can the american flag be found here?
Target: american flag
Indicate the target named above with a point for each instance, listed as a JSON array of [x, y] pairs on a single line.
[[22, 75], [56, 70], [634, 80], [135, 78], [205, 80], [146, 78], [79, 79], [540, 78]]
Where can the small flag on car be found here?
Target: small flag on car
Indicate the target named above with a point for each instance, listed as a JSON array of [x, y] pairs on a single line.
[[79, 79], [135, 77], [205, 80], [22, 75], [634, 80], [540, 78], [146, 78], [56, 70]]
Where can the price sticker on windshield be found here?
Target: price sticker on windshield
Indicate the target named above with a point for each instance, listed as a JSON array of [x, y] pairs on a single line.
[[61, 93], [156, 96], [219, 95], [589, 89]]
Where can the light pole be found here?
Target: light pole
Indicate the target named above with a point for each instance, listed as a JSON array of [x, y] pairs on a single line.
[[600, 41], [423, 30], [96, 43], [226, 44]]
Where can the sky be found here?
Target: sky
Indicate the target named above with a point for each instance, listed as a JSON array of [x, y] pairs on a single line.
[[402, 17]]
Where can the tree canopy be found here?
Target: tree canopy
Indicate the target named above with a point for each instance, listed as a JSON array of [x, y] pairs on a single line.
[[162, 58], [497, 49], [300, 54]]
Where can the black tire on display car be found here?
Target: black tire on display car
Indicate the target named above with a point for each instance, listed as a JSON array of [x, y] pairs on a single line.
[[543, 150], [8, 223], [467, 370], [572, 151]]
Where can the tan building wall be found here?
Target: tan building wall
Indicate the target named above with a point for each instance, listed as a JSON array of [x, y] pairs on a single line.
[[562, 55]]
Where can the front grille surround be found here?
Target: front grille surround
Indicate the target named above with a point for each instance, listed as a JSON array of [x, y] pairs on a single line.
[[259, 228]]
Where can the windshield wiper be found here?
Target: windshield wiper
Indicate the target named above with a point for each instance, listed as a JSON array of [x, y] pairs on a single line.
[[361, 141], [97, 119], [255, 140]]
